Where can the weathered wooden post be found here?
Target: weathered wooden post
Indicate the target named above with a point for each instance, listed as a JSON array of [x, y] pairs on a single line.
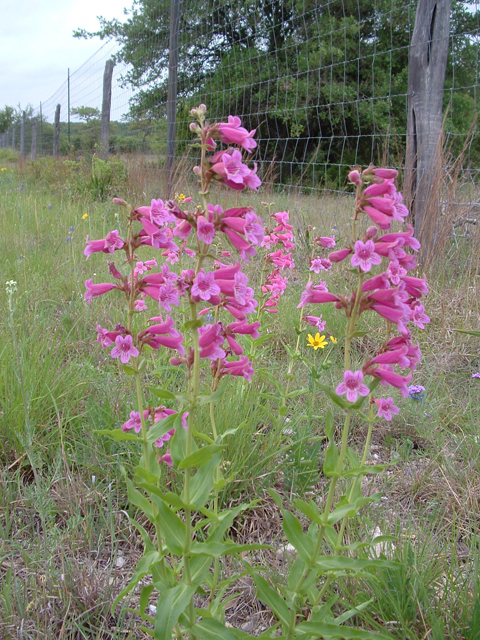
[[22, 135], [33, 152], [426, 79], [106, 104], [56, 132], [172, 95], [13, 136]]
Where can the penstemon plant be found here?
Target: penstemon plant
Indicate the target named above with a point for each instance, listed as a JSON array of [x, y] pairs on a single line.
[[187, 535]]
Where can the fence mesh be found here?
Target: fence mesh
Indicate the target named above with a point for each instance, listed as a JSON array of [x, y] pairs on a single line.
[[324, 83]]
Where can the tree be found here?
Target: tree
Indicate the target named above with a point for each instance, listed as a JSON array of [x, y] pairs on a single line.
[[323, 82], [7, 117], [85, 113]]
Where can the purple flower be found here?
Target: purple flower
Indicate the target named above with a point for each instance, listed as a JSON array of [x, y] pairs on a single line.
[[476, 375], [320, 264], [315, 321], [124, 349], [352, 385]]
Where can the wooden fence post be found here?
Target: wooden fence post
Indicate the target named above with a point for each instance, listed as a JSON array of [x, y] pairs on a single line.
[[106, 104], [56, 132], [22, 135], [172, 96], [33, 153], [426, 79]]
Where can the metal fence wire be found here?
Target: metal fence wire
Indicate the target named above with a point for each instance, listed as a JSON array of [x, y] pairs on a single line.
[[324, 83]]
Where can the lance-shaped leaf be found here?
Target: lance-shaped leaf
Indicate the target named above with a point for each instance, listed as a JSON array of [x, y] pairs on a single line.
[[171, 604], [172, 528], [161, 427], [295, 535]]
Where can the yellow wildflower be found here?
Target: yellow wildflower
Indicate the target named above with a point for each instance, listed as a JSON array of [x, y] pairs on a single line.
[[334, 340], [3, 169], [85, 216], [318, 342]]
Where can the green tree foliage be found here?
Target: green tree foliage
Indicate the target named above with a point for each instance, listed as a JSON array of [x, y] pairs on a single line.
[[323, 82], [7, 116]]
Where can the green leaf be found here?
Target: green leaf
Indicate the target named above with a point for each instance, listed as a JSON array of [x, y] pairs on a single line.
[[309, 509], [295, 535], [336, 399], [117, 434], [343, 563], [200, 456], [162, 393], [193, 324], [331, 460], [178, 444], [199, 566], [201, 484], [143, 568], [350, 509], [130, 371], [171, 604], [139, 500], [142, 474], [297, 392], [217, 549], [216, 395], [332, 631], [172, 528], [211, 629], [144, 597], [360, 334], [470, 333], [161, 427], [272, 599]]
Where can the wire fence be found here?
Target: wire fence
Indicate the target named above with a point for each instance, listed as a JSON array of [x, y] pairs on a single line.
[[324, 83]]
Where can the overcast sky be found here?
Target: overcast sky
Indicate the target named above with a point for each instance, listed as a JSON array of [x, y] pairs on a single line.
[[37, 46]]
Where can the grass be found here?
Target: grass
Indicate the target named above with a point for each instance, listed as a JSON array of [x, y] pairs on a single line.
[[66, 547]]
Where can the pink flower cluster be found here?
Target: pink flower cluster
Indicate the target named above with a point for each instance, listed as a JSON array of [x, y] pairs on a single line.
[[282, 237], [392, 294]]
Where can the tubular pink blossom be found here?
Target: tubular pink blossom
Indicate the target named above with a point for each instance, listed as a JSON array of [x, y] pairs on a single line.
[[376, 216], [379, 189], [326, 242], [380, 281], [384, 205], [388, 377], [407, 237], [234, 133], [364, 255], [204, 285], [415, 286], [354, 176], [316, 294], [338, 256], [94, 290], [390, 313], [242, 367], [386, 174], [237, 241], [396, 356], [170, 342]]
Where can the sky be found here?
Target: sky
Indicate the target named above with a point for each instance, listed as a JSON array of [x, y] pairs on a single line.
[[37, 46]]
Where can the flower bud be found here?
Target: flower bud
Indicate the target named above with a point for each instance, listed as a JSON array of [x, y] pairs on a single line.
[[176, 362], [354, 176], [371, 232], [120, 202], [194, 127]]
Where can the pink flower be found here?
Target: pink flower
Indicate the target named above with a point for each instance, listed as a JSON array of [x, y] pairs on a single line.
[[167, 296], [134, 422], [204, 286], [205, 230], [365, 256], [94, 290], [242, 367], [352, 385], [388, 377], [418, 316], [234, 133], [319, 264], [338, 256], [316, 294], [354, 176], [386, 408], [326, 242], [395, 271], [253, 228], [140, 305], [105, 337], [210, 339], [230, 167], [159, 214], [124, 349], [317, 322], [108, 245], [166, 458]]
